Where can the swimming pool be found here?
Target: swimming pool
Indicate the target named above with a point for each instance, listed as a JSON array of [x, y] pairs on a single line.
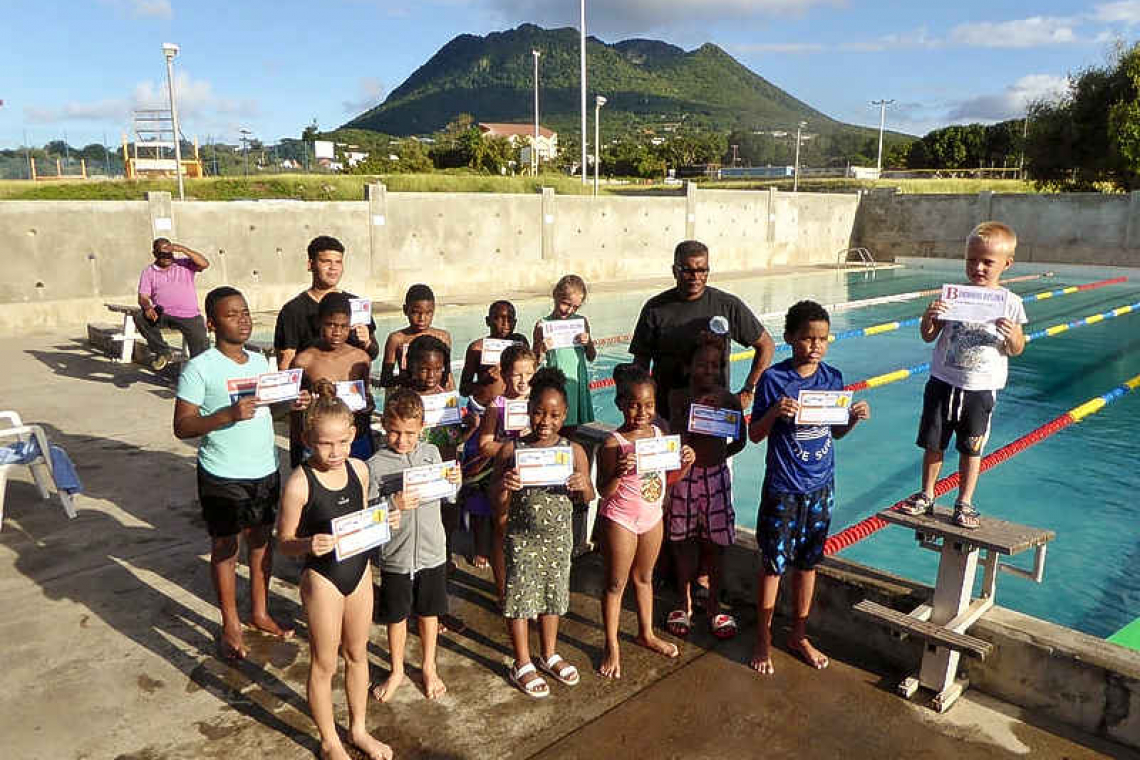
[[1080, 483]]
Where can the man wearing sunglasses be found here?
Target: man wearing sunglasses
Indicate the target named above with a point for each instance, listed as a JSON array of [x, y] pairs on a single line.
[[168, 298], [671, 322]]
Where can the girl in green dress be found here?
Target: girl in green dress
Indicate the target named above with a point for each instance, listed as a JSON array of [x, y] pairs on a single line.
[[573, 360]]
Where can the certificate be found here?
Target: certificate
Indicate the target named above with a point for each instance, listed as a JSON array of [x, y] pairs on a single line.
[[361, 311], [441, 409], [550, 466], [657, 454], [279, 386], [351, 392], [824, 408], [516, 415], [563, 333], [429, 482], [358, 532], [710, 420], [493, 350], [969, 303]]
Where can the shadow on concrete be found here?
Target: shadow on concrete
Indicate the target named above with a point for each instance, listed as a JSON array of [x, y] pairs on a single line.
[[77, 360], [115, 569]]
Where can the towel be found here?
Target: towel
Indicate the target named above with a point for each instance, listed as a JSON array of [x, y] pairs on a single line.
[[63, 470]]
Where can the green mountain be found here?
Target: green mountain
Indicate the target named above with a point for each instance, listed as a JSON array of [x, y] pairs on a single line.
[[646, 83]]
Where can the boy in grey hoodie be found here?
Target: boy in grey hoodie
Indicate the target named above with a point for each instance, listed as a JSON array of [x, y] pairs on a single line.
[[413, 564]]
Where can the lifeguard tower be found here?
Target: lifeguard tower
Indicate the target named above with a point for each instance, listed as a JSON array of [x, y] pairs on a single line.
[[153, 155]]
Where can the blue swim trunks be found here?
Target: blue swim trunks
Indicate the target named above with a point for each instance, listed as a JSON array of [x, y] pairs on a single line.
[[791, 528]]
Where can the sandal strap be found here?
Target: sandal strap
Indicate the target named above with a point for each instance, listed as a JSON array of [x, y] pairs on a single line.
[[566, 671], [528, 668]]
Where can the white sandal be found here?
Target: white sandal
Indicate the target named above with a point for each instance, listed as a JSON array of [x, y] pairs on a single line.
[[535, 688], [565, 674]]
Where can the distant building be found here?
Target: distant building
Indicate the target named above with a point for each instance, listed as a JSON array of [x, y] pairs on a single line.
[[522, 137]]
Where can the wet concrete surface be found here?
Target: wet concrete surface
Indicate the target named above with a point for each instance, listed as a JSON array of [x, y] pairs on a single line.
[[109, 629]]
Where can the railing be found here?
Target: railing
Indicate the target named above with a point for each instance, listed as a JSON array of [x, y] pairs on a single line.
[[865, 257]]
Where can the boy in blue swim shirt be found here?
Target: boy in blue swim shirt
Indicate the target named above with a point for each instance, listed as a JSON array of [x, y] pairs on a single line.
[[799, 480]]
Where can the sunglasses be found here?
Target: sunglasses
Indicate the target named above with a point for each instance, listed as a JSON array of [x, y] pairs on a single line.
[[691, 270]]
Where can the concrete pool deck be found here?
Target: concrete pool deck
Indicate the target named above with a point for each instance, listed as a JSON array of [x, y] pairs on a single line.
[[110, 623]]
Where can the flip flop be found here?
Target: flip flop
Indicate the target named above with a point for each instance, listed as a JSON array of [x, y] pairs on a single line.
[[723, 626], [565, 673], [678, 624], [535, 688]]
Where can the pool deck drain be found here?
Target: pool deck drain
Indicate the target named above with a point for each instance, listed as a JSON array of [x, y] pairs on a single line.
[[109, 628]]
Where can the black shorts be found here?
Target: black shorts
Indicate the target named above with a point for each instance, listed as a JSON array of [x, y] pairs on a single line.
[[230, 505], [791, 528], [401, 594], [948, 411]]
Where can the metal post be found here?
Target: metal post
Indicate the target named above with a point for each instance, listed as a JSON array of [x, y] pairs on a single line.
[[796, 178], [170, 50], [882, 104], [582, 46], [28, 155], [534, 147], [599, 101], [1024, 138]]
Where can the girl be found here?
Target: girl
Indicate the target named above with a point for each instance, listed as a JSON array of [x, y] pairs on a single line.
[[516, 367], [701, 517], [337, 596], [631, 514], [539, 537], [569, 294]]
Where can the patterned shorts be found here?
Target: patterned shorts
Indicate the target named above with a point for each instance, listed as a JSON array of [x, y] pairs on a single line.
[[700, 506], [792, 528]]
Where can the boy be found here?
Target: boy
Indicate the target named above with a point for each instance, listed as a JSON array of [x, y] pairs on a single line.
[[483, 383], [970, 365], [238, 483], [799, 480], [333, 358], [419, 308], [413, 564]]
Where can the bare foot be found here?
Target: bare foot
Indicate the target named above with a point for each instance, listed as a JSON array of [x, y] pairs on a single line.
[[655, 644], [762, 658], [611, 663], [230, 645], [334, 751], [803, 649], [373, 748], [434, 687], [269, 625], [385, 691], [481, 562]]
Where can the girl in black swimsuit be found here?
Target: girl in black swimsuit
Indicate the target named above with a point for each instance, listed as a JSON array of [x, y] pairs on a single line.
[[337, 595]]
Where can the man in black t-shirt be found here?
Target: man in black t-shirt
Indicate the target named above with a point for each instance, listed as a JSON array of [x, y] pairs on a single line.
[[298, 327], [671, 322]]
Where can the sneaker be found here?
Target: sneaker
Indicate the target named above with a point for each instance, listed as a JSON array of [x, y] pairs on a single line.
[[965, 516], [917, 504], [160, 362]]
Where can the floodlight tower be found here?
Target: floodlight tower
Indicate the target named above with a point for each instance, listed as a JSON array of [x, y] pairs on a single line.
[[170, 51], [599, 101]]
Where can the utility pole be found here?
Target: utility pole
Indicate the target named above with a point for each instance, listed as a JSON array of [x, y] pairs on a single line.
[[245, 147], [106, 157], [796, 178], [1024, 139], [734, 148], [534, 147], [582, 46], [599, 101], [882, 104], [28, 153]]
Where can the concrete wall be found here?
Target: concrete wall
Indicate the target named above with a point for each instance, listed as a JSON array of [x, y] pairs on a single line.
[[1076, 228], [64, 259]]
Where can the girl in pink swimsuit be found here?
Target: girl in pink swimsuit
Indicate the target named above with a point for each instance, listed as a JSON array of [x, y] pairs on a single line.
[[631, 515]]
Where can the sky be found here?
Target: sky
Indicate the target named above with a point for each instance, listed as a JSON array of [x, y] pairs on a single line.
[[79, 67]]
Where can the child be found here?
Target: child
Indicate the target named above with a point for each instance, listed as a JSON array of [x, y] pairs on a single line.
[[631, 515], [238, 483], [337, 594], [539, 538], [970, 366], [336, 360], [517, 367], [419, 308], [484, 382], [702, 522], [799, 479], [569, 294], [413, 565]]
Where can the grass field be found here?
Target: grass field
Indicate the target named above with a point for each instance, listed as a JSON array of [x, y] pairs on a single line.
[[340, 187]]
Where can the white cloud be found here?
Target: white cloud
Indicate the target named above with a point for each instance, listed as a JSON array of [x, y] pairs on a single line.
[[778, 47], [370, 93], [1020, 33], [142, 8], [1011, 102], [917, 38], [1125, 11]]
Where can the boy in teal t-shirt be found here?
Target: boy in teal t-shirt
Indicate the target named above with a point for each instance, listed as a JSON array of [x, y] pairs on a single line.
[[238, 482]]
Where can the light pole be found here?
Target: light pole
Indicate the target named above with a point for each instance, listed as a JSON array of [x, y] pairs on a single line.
[[882, 104], [599, 101], [245, 147], [534, 148], [1024, 139], [170, 50], [796, 178], [582, 50], [734, 149]]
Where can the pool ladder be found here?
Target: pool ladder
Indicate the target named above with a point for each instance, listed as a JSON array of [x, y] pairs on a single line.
[[865, 257]]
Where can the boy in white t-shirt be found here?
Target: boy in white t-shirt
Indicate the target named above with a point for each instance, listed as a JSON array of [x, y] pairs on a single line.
[[969, 367]]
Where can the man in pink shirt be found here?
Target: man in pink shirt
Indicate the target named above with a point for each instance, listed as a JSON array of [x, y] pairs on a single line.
[[168, 299]]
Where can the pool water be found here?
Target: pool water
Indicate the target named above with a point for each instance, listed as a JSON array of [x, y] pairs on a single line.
[[1080, 483]]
